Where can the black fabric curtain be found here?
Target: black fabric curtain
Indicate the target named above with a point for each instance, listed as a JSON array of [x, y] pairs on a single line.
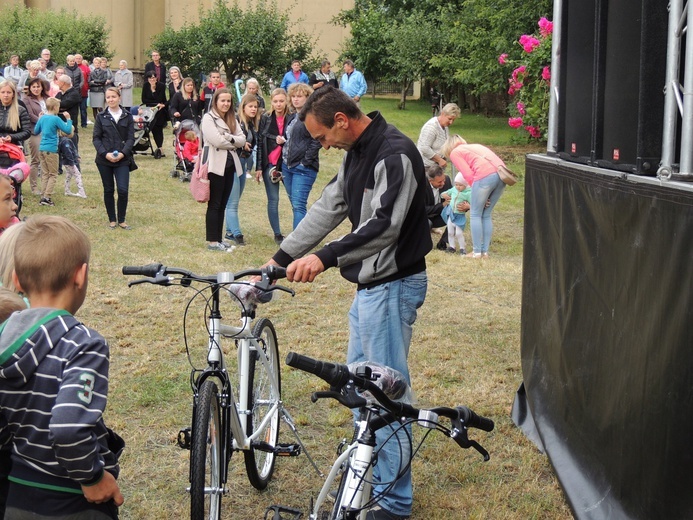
[[607, 338]]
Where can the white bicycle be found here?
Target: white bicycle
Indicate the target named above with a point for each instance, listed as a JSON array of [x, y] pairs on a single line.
[[222, 423]]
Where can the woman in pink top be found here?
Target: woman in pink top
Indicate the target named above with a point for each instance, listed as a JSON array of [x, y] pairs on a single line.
[[479, 166]]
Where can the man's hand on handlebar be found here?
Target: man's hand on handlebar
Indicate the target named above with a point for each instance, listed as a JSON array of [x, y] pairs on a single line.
[[304, 269]]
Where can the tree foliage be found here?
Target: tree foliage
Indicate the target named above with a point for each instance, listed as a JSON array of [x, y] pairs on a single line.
[[455, 43], [26, 32], [240, 42]]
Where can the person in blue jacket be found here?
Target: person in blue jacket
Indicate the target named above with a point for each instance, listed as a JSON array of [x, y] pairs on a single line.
[[295, 75], [353, 82]]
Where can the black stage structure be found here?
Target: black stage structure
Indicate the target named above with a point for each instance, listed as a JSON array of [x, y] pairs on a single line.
[[607, 313]]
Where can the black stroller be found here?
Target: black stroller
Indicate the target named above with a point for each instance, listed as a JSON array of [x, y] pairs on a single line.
[[144, 119]]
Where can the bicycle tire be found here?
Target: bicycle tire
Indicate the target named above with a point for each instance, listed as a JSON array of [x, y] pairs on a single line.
[[205, 456], [262, 395]]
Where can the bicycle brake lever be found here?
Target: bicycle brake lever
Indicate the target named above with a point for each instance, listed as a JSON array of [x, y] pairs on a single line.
[[324, 395], [463, 441], [282, 288], [158, 280], [141, 280], [478, 447]]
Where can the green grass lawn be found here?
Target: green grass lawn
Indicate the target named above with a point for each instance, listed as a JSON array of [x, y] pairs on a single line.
[[465, 349]]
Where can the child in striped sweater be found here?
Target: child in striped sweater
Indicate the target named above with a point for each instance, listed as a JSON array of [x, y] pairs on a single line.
[[54, 384]]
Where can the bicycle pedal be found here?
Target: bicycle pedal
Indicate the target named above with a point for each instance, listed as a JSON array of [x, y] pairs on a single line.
[[185, 438], [287, 450]]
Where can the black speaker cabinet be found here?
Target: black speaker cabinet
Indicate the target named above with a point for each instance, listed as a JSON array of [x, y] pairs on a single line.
[[578, 75], [635, 73], [611, 104]]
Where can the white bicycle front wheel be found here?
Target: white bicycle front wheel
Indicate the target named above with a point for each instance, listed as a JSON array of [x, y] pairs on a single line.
[[262, 400]]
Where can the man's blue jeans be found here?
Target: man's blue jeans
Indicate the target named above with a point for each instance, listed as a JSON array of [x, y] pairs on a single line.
[[233, 226], [489, 188], [272, 191], [380, 330], [298, 182]]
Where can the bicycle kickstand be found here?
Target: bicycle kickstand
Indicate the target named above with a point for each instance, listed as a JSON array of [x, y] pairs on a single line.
[[290, 421]]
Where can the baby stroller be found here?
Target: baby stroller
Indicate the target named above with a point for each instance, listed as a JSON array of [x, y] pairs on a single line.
[[144, 118], [13, 164], [182, 165]]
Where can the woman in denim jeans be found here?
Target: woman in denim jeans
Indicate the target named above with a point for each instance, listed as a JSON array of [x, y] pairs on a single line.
[[300, 155], [271, 139], [479, 167], [248, 118]]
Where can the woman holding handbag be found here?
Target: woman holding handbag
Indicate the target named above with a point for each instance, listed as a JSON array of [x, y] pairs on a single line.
[[113, 138], [222, 137]]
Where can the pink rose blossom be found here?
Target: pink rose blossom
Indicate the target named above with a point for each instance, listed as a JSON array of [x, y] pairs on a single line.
[[533, 131], [515, 122], [515, 86], [545, 27], [546, 73], [519, 71], [503, 59], [521, 108], [529, 43]]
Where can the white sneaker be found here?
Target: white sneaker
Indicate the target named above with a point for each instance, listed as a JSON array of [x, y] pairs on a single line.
[[89, 122]]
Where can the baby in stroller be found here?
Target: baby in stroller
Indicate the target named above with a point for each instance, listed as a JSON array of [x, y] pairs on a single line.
[[70, 159], [190, 150], [186, 146], [13, 165]]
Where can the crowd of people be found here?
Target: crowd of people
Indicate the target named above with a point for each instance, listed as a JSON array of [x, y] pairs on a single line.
[[392, 191]]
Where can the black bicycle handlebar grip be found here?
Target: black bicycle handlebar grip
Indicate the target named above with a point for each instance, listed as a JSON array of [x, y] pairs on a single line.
[[335, 375], [142, 270], [473, 420], [274, 272]]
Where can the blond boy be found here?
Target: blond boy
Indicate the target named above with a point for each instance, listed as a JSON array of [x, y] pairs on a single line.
[[54, 384], [48, 126]]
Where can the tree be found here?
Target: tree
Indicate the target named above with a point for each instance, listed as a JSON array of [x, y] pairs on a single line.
[[27, 31], [411, 43], [240, 42], [369, 40], [455, 43]]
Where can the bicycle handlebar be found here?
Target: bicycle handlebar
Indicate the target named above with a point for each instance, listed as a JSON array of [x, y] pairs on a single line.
[[159, 274], [340, 379]]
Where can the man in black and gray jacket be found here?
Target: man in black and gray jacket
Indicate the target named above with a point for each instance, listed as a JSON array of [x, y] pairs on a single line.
[[380, 188]]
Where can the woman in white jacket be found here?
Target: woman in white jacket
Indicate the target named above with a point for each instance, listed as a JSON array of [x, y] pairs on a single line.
[[222, 137]]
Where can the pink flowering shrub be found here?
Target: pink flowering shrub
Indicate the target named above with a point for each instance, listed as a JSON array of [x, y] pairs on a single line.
[[530, 81]]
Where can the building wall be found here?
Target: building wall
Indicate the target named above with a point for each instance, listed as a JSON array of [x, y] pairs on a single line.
[[133, 23]]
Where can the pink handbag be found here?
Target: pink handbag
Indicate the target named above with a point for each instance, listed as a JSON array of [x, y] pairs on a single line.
[[199, 181]]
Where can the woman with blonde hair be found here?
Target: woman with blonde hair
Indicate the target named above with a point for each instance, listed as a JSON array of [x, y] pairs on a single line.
[[300, 155], [479, 167], [252, 86], [271, 139], [186, 104], [249, 119], [15, 125]]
